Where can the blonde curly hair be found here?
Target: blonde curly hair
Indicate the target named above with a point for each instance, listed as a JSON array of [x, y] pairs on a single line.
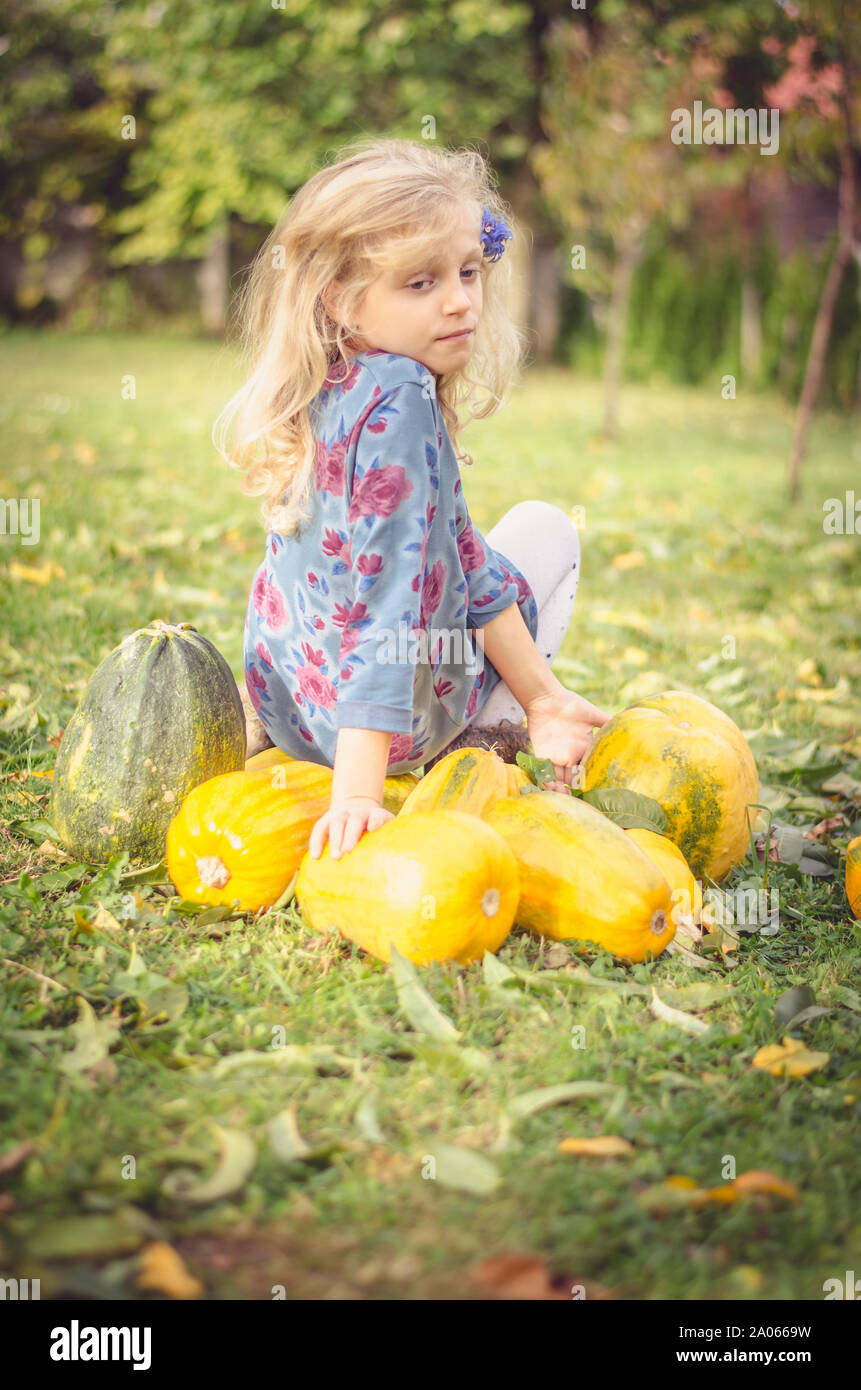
[[385, 203]]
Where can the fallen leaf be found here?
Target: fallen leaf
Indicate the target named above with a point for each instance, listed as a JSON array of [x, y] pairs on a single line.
[[283, 1135], [603, 1146], [825, 827], [104, 920], [515, 1276], [628, 560], [94, 1037], [237, 1155], [676, 1017], [789, 1058], [463, 1169], [724, 1193], [663, 1198], [36, 574], [423, 1014], [531, 1102], [162, 1269], [759, 1180], [67, 1237]]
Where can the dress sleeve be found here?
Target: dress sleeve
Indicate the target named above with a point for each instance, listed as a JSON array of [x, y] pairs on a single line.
[[490, 584], [392, 499]]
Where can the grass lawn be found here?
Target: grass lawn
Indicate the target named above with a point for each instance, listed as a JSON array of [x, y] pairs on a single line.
[[126, 1024]]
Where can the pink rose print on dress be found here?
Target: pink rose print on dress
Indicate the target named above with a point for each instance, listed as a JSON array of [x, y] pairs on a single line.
[[369, 564], [337, 544], [316, 687], [378, 426], [349, 641], [472, 702], [370, 568], [524, 593], [340, 372], [401, 748], [434, 587], [470, 549], [329, 466], [256, 687], [316, 658], [269, 602], [380, 492], [356, 615], [263, 652]]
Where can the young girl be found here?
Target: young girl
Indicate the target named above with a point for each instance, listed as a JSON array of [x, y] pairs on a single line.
[[381, 623]]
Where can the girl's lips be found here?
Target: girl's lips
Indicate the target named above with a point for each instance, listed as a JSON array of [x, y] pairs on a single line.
[[464, 333]]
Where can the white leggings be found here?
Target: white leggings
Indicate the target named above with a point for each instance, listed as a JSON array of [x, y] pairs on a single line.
[[544, 544]]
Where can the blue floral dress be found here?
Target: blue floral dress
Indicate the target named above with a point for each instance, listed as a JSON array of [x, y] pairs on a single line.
[[361, 619]]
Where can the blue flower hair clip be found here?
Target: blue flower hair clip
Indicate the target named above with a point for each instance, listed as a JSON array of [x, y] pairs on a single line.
[[494, 234]]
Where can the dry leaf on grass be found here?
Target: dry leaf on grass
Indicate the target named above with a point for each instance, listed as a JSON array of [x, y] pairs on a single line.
[[789, 1058], [603, 1146], [678, 1191], [163, 1270], [527, 1277]]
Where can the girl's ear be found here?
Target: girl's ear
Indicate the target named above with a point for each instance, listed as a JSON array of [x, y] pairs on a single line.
[[330, 296]]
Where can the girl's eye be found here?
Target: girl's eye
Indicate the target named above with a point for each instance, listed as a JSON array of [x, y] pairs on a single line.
[[416, 283]]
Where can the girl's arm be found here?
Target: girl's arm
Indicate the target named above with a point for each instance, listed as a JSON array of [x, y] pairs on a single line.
[[508, 642], [358, 782], [361, 760], [560, 722]]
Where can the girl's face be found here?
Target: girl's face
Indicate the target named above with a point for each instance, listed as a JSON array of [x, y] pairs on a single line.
[[417, 312]]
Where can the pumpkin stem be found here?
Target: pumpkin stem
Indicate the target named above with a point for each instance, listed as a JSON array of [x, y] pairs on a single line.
[[658, 924], [212, 871], [490, 902]]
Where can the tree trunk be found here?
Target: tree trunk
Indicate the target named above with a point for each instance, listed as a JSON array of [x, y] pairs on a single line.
[[751, 329], [536, 273], [824, 315], [212, 280], [628, 250], [546, 291], [856, 252]]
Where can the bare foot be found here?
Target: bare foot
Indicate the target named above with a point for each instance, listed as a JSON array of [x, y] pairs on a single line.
[[256, 736]]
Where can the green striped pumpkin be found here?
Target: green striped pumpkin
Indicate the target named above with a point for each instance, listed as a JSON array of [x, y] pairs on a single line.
[[160, 715]]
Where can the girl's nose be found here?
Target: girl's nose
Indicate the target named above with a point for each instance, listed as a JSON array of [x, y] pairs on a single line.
[[457, 297]]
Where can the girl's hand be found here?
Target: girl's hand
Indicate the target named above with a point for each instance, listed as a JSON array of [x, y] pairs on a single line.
[[560, 728], [345, 823]]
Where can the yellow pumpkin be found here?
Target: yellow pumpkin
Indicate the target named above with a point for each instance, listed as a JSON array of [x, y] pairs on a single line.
[[268, 758], [853, 875], [239, 838], [694, 760], [686, 891], [395, 791], [436, 885], [582, 877], [468, 779]]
